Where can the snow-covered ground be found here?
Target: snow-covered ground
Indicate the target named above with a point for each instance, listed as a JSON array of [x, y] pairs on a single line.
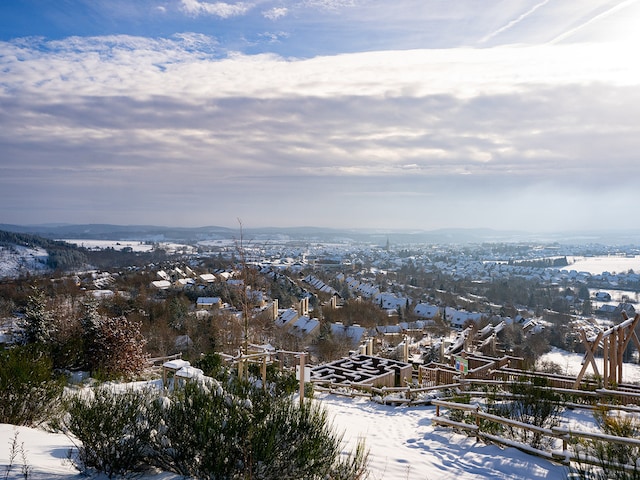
[[571, 363], [17, 260], [598, 265], [403, 445], [116, 245], [403, 442]]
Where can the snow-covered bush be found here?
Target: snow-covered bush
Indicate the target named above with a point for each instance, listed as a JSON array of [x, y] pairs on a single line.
[[205, 430], [29, 390], [114, 428], [607, 460], [531, 403], [251, 434]]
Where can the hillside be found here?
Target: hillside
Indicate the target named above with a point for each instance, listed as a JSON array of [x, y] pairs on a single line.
[[23, 253]]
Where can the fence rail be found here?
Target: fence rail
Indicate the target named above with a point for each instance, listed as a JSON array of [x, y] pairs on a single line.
[[556, 434]]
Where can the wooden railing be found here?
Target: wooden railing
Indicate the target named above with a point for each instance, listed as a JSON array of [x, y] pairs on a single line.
[[558, 435]]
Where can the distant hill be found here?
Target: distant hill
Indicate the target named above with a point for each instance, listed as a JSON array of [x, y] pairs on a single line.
[[195, 234], [120, 232], [147, 233]]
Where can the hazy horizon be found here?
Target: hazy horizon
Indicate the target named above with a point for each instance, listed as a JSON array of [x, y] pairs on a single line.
[[339, 114]]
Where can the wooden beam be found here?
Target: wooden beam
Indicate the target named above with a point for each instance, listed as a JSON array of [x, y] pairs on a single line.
[[590, 348]]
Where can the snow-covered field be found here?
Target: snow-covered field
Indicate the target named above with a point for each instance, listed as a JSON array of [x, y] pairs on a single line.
[[598, 265], [571, 363], [116, 245]]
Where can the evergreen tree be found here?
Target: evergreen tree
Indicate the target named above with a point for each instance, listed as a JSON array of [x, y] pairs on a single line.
[[38, 324]]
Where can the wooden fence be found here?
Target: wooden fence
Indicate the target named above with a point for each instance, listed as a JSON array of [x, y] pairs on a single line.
[[557, 436], [409, 395]]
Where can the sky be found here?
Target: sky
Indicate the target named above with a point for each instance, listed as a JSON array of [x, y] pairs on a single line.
[[411, 114]]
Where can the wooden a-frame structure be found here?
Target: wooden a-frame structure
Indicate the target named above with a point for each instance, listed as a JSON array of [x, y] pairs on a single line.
[[613, 342]]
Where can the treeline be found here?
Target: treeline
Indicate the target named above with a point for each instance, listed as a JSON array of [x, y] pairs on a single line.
[[541, 262], [28, 240]]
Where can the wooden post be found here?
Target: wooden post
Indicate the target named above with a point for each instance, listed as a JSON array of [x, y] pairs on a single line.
[[621, 348], [264, 372], [605, 359], [590, 349], [613, 355], [240, 369], [301, 378]]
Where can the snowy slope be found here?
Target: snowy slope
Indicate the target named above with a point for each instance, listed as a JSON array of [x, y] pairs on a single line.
[[16, 260], [405, 445], [402, 442]]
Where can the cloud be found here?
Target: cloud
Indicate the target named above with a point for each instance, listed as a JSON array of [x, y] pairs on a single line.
[[332, 4], [218, 9], [275, 13], [121, 121], [193, 66]]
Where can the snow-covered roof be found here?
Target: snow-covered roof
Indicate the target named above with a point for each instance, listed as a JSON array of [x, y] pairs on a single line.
[[286, 316], [208, 301], [305, 325]]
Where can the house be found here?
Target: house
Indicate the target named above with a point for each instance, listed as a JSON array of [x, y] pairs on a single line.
[[626, 308], [603, 297], [305, 326], [606, 310], [208, 303], [184, 282], [207, 278], [354, 332], [425, 310], [389, 329], [458, 318], [286, 317], [389, 301], [161, 284]]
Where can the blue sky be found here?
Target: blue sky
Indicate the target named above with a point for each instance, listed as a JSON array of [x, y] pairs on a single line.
[[409, 114]]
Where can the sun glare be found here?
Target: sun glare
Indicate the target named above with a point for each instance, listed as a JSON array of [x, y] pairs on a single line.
[[625, 26]]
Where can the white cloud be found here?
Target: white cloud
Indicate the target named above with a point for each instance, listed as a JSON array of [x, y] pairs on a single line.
[[331, 4], [218, 9], [191, 68], [275, 13], [440, 126]]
